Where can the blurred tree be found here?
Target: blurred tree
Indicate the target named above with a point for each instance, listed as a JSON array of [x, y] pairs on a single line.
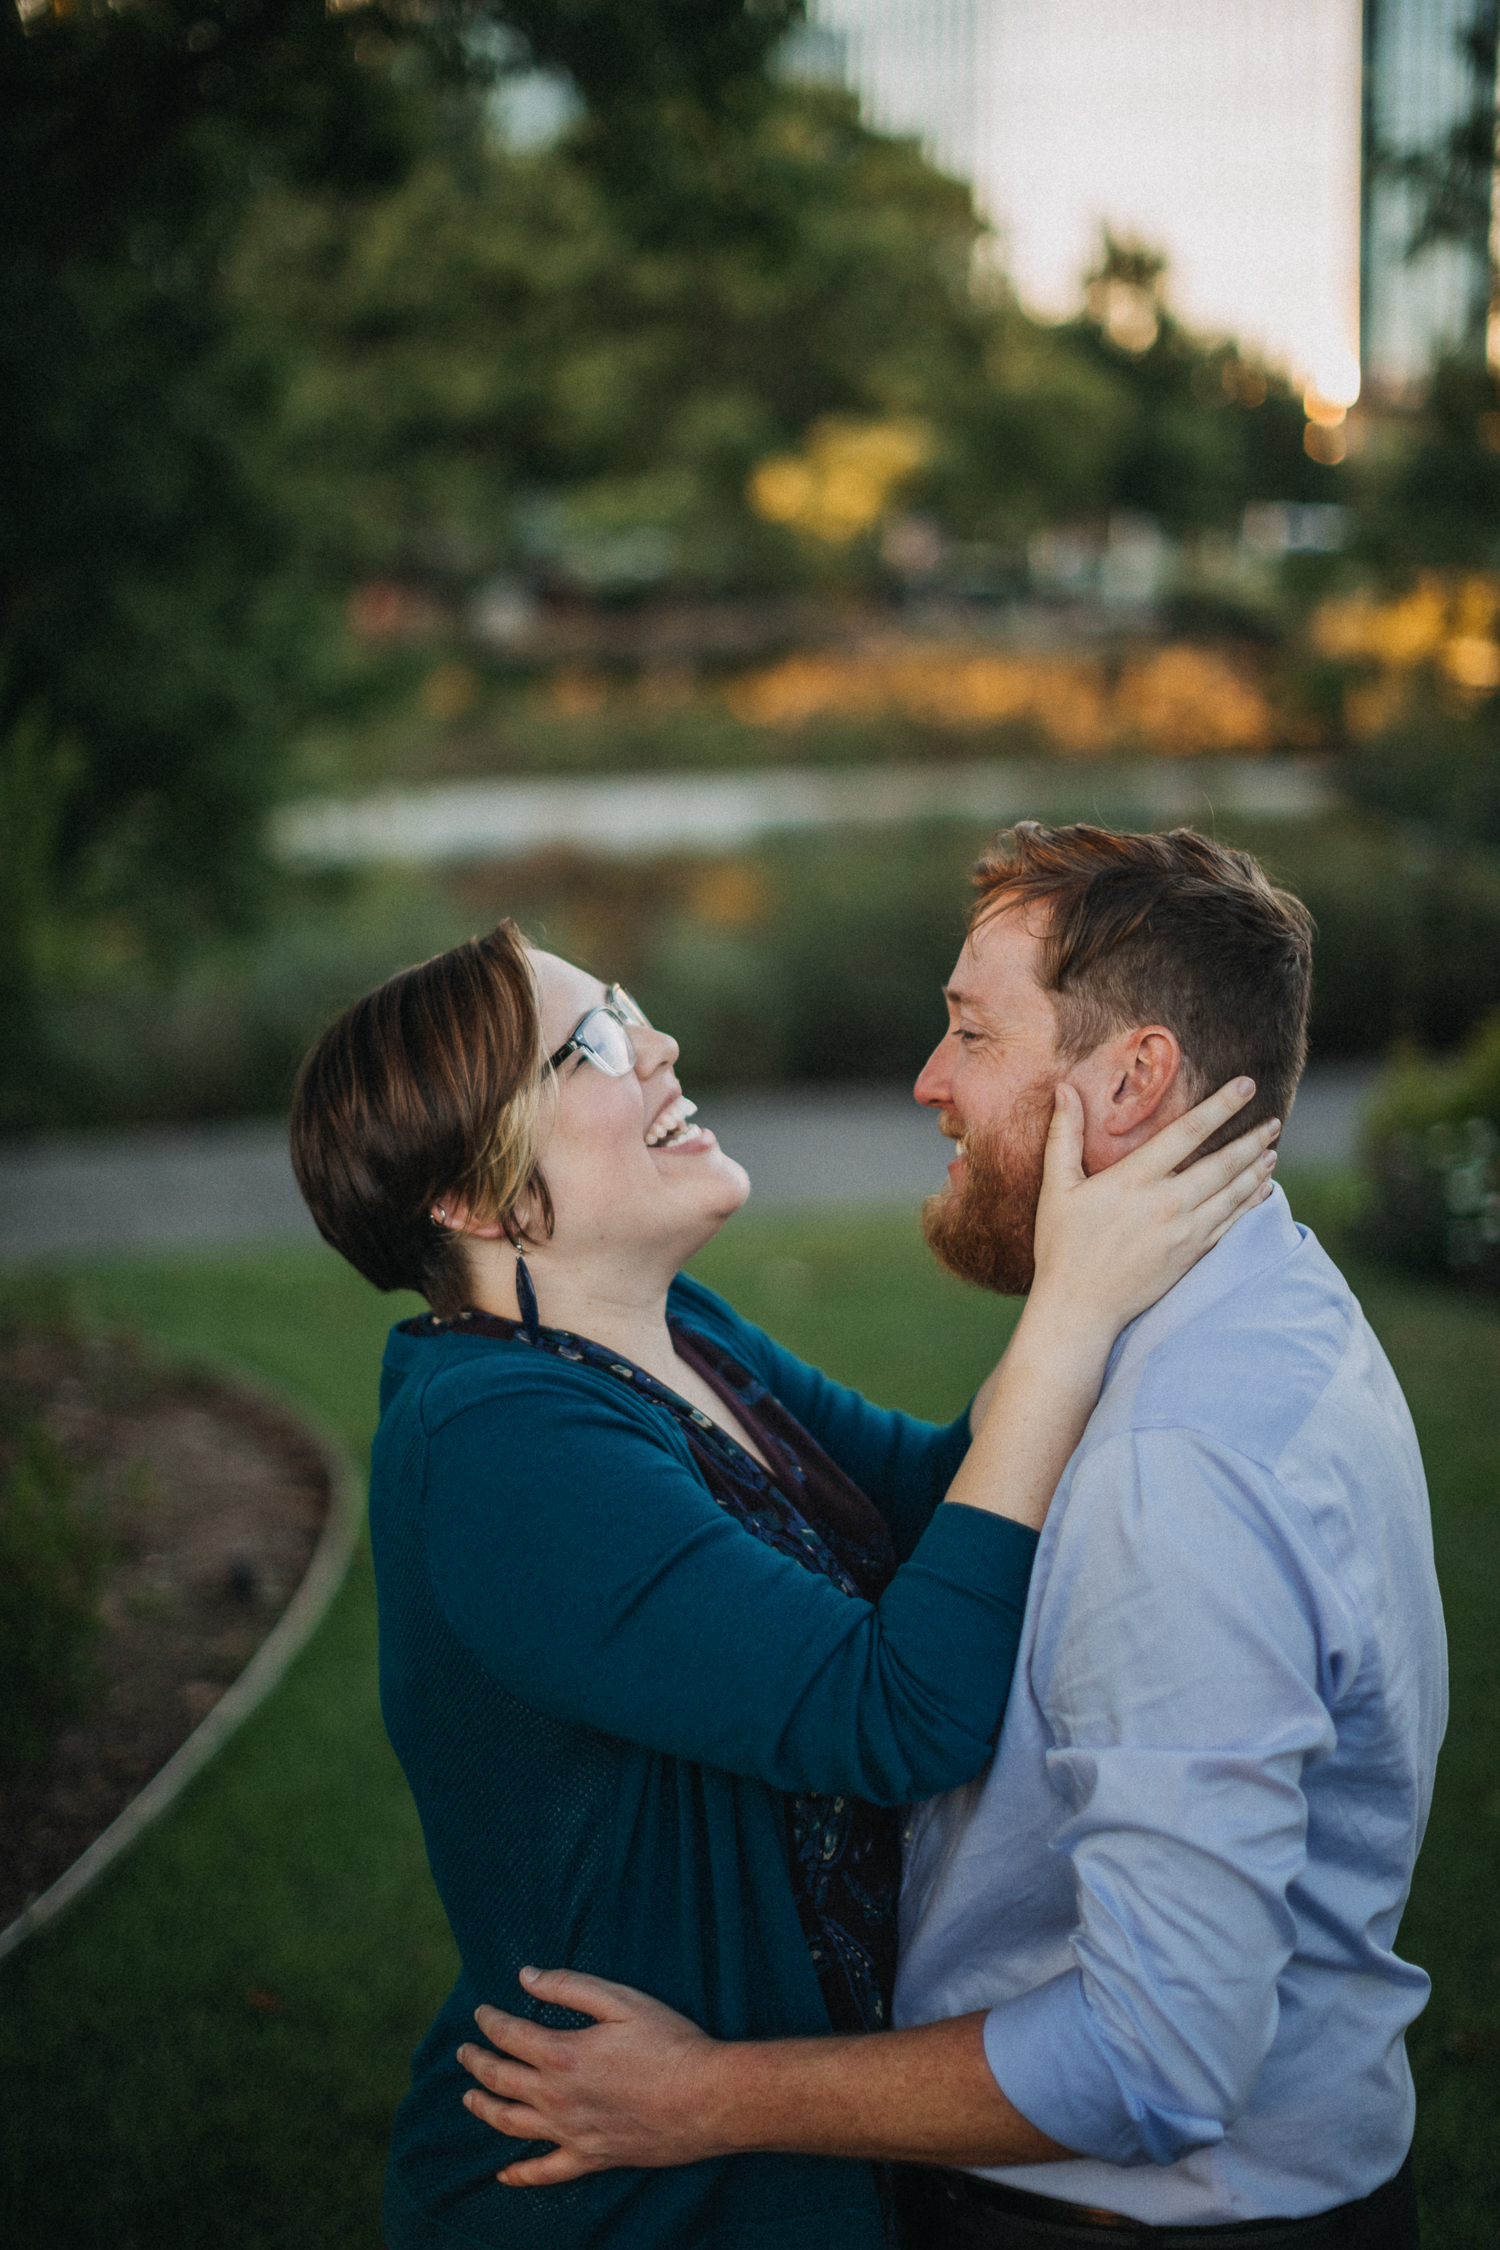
[[151, 626], [1206, 428], [159, 590], [1433, 498], [506, 364]]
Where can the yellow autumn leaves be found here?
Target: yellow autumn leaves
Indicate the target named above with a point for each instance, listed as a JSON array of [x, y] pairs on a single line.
[[844, 479], [1446, 623], [1176, 701]]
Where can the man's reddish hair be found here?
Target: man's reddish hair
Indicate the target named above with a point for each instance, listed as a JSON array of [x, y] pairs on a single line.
[[1171, 929]]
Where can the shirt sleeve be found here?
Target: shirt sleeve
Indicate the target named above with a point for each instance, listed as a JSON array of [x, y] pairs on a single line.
[[578, 1554], [1177, 1665], [902, 1464]]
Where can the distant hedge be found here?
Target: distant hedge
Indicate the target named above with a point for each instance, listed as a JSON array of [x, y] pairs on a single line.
[[1433, 1161], [814, 958]]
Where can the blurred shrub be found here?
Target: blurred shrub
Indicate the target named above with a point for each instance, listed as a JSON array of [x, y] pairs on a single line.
[[1437, 762], [1408, 944], [53, 1555], [223, 1036], [815, 957], [1434, 1161]]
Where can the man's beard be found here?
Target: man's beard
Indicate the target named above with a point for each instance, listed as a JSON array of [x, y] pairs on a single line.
[[984, 1231]]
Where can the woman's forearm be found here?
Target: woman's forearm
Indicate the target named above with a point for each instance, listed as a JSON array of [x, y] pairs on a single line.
[[1032, 1412]]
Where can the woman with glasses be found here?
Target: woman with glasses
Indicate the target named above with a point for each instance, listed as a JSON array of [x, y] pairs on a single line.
[[671, 1625]]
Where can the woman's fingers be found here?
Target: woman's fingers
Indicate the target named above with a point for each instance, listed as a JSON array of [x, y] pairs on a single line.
[[1220, 1211], [1241, 1163], [1249, 1187], [1175, 1143], [1063, 1162]]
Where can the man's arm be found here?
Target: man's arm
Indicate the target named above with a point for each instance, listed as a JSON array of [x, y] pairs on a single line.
[[646, 2087]]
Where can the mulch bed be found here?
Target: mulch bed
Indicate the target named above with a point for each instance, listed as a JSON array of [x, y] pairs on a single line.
[[214, 1502]]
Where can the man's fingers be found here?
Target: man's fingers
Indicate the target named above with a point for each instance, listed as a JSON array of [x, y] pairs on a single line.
[[585, 1995], [514, 2119], [517, 2035], [502, 2074], [546, 2171]]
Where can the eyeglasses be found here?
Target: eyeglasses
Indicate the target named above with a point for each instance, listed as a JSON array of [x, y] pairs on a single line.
[[602, 1036]]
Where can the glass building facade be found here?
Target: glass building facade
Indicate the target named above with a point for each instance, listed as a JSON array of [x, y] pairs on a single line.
[[1420, 81], [1235, 135]]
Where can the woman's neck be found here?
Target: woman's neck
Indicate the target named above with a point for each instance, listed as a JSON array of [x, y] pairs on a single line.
[[622, 1308]]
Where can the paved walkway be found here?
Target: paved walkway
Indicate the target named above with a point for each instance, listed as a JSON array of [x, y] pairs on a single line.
[[71, 1193], [625, 815]]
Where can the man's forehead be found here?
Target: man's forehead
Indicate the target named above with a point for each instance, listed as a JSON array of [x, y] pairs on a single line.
[[1000, 959]]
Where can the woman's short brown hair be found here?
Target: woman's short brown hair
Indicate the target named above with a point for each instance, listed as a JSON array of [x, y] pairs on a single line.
[[429, 1088]]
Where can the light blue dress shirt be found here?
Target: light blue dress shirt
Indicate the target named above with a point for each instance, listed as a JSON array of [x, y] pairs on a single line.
[[1177, 1888]]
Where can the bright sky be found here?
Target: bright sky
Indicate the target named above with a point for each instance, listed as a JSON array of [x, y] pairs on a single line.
[[1224, 132]]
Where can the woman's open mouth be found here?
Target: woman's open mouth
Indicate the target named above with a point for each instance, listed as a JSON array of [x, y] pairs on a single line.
[[673, 1127]]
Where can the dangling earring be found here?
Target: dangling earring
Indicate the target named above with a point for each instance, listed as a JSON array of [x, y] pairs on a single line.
[[526, 1299]]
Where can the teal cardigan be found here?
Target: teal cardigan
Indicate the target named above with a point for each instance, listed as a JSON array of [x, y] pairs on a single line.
[[599, 1686]]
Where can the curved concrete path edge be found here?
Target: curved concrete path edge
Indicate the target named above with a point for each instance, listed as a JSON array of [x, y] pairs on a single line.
[[267, 1667]]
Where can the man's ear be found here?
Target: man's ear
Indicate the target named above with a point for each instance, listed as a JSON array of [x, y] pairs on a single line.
[[1140, 1070]]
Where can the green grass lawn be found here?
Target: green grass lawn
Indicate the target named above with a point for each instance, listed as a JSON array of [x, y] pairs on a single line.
[[152, 2104]]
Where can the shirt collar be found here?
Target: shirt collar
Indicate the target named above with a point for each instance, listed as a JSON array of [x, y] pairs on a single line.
[[1263, 1238]]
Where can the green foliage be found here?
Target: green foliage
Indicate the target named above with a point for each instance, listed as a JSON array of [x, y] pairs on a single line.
[[1433, 1153], [814, 958], [53, 1555], [623, 57], [1431, 495], [1438, 767], [501, 361], [1408, 943], [161, 621], [1199, 430]]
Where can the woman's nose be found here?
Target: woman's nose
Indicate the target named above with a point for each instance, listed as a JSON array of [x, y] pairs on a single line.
[[653, 1049]]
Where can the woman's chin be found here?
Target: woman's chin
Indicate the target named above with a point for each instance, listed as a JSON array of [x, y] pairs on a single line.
[[735, 1182]]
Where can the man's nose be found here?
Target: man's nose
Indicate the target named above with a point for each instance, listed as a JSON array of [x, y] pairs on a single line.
[[933, 1089]]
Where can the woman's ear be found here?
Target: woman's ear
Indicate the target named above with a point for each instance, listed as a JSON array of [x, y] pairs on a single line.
[[455, 1214]]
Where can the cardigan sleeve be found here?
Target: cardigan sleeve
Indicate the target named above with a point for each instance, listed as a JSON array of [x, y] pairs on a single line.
[[902, 1464], [577, 1553]]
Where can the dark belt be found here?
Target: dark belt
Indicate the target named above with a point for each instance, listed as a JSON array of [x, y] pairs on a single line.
[[944, 2210]]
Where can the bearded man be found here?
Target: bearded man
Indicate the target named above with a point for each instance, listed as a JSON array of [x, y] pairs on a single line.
[[1148, 1988]]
